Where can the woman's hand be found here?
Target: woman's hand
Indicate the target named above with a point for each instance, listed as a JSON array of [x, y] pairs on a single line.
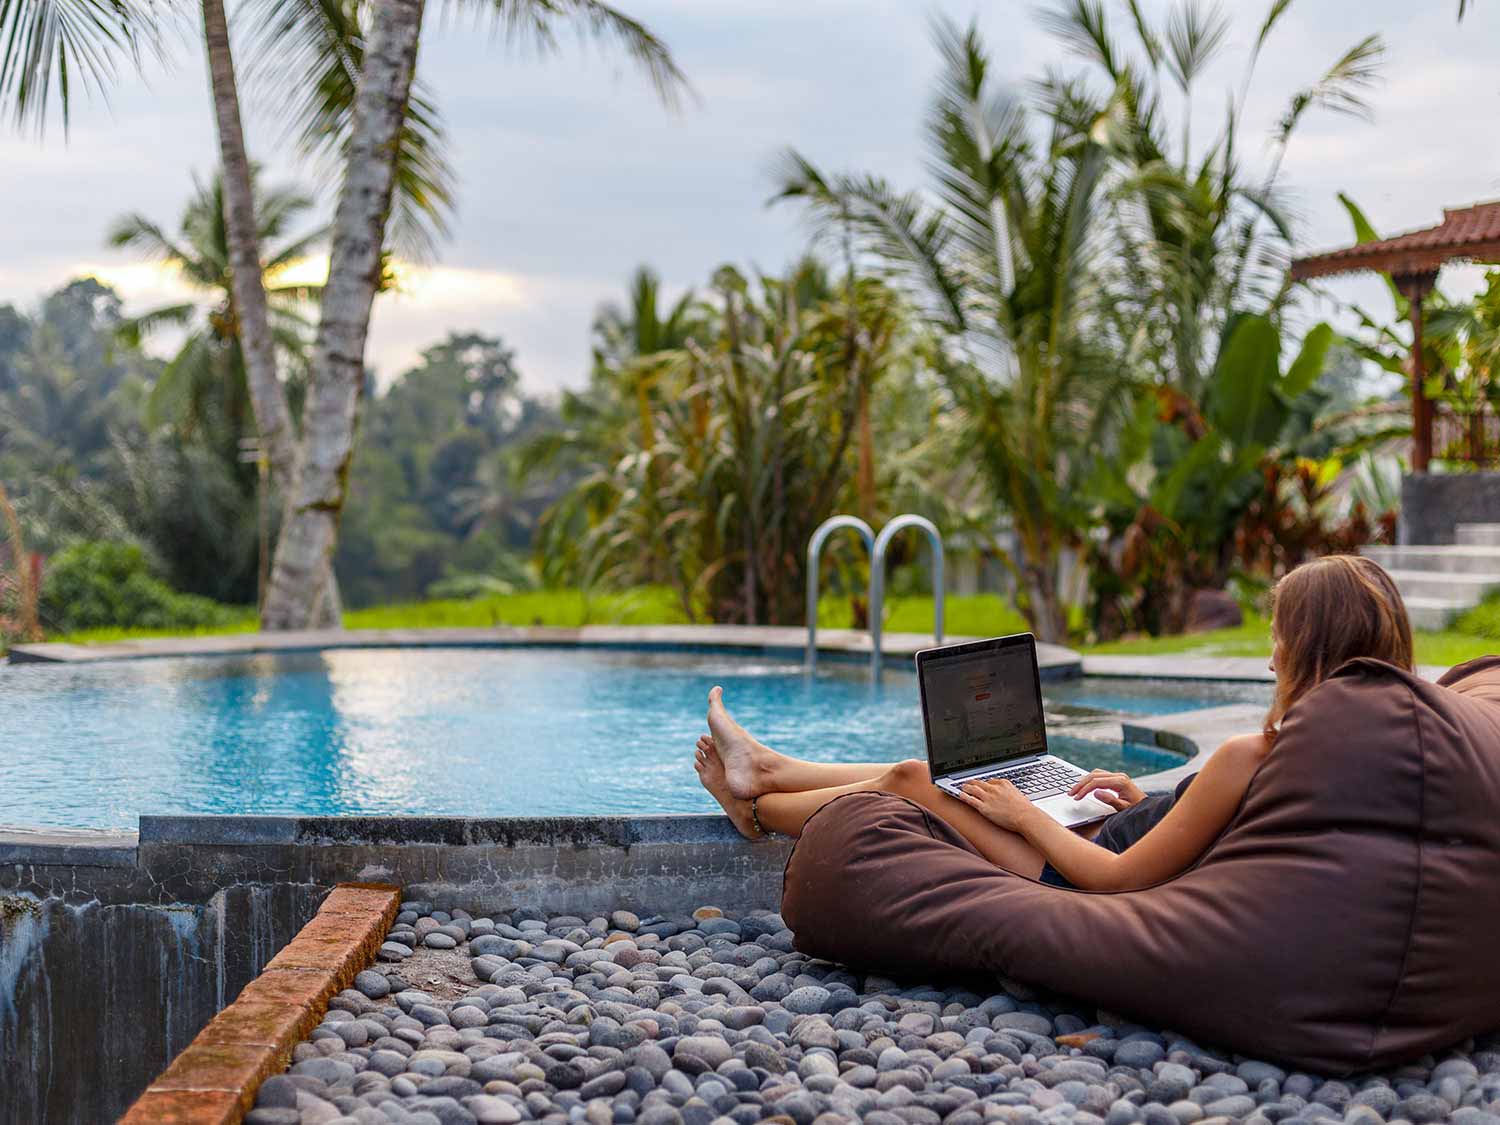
[[1114, 789], [998, 801]]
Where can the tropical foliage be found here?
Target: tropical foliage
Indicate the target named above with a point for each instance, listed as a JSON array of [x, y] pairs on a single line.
[[706, 463]]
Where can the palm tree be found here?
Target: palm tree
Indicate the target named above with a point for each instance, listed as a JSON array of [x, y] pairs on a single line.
[[378, 121], [205, 387], [1006, 264]]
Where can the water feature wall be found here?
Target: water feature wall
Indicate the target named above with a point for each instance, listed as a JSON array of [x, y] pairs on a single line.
[[115, 949]]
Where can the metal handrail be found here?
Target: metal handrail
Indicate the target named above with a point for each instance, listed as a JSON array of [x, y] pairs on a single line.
[[814, 549], [877, 580]]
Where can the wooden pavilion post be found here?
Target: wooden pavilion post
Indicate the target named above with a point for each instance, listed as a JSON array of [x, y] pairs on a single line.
[[1415, 286]]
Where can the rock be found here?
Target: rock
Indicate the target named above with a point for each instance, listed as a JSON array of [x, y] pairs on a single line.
[[710, 1051], [439, 940], [1422, 1108], [1254, 1073], [373, 984], [1022, 1021], [328, 1070], [805, 1001], [1142, 1054], [1236, 1105], [493, 945], [490, 1110], [277, 1092], [1212, 609]]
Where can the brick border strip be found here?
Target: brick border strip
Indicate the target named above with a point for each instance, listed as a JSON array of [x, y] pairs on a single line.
[[215, 1078]]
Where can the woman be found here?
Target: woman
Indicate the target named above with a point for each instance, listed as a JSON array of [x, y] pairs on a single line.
[[1324, 613]]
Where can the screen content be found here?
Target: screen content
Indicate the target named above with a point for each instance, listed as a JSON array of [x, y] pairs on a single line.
[[982, 708]]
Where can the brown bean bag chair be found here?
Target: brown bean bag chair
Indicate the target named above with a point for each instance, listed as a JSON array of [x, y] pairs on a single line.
[[1346, 919]]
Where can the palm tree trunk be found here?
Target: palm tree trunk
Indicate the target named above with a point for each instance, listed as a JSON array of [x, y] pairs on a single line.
[[309, 531], [273, 418]]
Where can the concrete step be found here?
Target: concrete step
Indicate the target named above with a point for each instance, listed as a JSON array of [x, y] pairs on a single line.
[[1477, 534], [1433, 614], [1467, 559], [1462, 588]]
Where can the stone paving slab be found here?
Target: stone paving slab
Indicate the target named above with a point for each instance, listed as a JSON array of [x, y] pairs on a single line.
[[1240, 668], [74, 847], [215, 1078]]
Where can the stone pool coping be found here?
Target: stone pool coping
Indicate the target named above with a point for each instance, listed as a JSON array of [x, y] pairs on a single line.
[[214, 1079], [838, 644]]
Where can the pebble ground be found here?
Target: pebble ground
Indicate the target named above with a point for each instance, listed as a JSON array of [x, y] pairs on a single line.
[[710, 1019]]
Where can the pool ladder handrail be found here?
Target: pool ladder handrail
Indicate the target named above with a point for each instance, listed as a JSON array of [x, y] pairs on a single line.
[[877, 580], [815, 548], [877, 546]]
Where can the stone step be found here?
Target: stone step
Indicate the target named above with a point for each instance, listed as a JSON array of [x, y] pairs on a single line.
[[1466, 559], [1460, 588], [1434, 614], [1477, 534]]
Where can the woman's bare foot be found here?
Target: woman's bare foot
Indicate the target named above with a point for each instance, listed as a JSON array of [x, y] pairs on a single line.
[[710, 769], [748, 763]]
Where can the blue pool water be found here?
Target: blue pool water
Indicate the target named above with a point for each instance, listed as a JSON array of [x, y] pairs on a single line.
[[480, 732]]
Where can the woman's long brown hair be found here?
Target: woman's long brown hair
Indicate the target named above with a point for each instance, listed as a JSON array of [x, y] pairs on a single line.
[[1329, 611]]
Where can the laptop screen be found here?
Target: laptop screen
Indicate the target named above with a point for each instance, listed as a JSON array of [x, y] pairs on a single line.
[[982, 707]]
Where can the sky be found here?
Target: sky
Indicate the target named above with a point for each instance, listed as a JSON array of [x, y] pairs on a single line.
[[571, 174]]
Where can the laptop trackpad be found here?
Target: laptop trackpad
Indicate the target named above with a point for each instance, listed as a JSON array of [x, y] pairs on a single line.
[[1069, 812]]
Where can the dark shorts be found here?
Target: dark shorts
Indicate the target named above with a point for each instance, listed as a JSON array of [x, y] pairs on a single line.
[[1124, 829]]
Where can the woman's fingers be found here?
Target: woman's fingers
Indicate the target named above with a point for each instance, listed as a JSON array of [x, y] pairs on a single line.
[[1098, 779]]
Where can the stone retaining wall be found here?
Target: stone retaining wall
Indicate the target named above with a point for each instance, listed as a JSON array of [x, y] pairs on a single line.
[[117, 948]]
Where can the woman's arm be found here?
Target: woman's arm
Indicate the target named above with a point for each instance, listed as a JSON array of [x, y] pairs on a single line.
[[1182, 836]]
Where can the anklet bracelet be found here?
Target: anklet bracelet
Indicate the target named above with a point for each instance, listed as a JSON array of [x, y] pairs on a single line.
[[755, 817]]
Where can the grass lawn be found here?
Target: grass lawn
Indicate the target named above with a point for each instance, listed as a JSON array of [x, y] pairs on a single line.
[[981, 615]]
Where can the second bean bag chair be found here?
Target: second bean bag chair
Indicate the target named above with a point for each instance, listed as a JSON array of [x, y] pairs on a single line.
[[1345, 919]]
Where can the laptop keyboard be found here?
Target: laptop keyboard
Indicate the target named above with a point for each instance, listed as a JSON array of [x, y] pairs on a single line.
[[1041, 779]]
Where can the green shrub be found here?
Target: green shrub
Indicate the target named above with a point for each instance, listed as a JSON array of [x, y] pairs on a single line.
[[1481, 621], [92, 585]]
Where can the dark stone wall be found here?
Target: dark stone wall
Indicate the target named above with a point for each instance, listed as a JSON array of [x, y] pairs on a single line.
[[96, 999], [1432, 503], [116, 950]]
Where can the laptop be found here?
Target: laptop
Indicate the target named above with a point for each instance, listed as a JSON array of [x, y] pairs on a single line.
[[982, 712]]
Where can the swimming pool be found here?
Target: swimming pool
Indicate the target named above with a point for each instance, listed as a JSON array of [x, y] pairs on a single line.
[[468, 731]]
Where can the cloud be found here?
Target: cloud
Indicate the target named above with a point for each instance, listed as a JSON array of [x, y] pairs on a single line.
[[570, 173]]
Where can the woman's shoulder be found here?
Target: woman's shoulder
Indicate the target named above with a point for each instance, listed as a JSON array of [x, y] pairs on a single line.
[[1243, 750]]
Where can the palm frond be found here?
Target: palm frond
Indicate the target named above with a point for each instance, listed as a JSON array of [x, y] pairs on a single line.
[[51, 45], [536, 22], [1082, 26], [1342, 88], [136, 232], [1195, 34], [136, 328], [1149, 40]]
